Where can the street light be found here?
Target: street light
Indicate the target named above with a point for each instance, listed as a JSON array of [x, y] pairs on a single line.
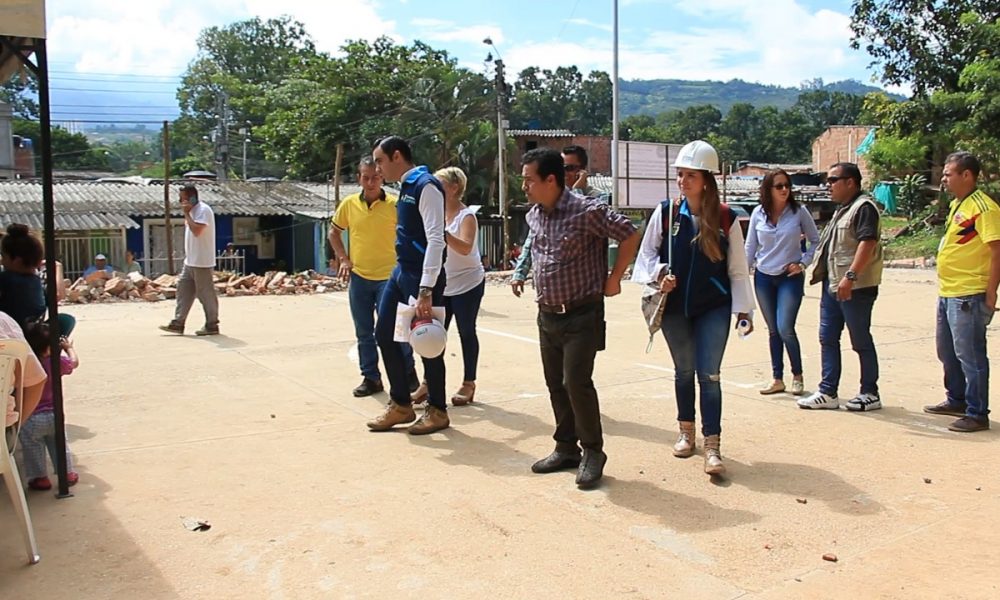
[[501, 88]]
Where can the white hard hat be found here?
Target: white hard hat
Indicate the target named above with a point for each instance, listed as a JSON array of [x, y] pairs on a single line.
[[698, 155], [428, 337]]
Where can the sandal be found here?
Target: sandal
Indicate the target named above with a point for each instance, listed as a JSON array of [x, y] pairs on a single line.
[[420, 396], [465, 394]]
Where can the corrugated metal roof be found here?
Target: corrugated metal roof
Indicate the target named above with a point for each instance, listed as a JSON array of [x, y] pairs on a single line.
[[90, 205], [546, 133]]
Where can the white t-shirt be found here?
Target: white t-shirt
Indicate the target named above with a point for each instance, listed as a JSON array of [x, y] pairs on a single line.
[[463, 272], [199, 250]]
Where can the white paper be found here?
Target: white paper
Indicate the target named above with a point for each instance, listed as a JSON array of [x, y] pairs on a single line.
[[404, 316]]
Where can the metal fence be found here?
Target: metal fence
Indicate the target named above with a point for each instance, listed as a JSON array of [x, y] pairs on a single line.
[[77, 252], [230, 263]]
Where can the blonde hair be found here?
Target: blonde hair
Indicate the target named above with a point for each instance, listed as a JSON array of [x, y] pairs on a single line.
[[454, 176]]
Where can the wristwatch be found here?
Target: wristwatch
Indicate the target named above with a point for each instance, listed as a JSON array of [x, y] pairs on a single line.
[[851, 276], [425, 292]]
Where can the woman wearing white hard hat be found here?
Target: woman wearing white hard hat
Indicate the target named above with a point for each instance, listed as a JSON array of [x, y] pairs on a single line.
[[693, 247], [463, 294]]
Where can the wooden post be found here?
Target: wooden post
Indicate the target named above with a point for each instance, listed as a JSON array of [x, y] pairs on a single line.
[[166, 197], [336, 174]]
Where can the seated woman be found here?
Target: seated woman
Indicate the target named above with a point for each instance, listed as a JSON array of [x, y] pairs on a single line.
[[22, 295]]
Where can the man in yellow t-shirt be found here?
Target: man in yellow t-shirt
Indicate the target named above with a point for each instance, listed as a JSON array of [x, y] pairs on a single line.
[[369, 218], [968, 265]]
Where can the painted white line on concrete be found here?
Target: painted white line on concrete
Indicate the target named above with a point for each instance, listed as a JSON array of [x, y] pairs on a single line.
[[508, 335]]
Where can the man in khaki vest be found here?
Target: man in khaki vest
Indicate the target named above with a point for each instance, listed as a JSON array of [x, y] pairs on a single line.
[[849, 264]]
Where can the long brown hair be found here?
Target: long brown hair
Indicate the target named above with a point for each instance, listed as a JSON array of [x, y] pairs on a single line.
[[711, 219], [767, 198]]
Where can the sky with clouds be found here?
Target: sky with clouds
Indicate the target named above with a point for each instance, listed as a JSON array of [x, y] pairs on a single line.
[[150, 42]]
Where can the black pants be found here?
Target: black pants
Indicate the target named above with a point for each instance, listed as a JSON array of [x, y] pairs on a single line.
[[569, 343]]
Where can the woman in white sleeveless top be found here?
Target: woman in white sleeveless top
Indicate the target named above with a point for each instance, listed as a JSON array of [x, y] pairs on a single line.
[[466, 283]]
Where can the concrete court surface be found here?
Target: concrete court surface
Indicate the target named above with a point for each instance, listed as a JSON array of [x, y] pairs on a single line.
[[256, 431]]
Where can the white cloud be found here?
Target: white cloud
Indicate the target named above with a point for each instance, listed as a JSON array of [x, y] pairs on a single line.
[[438, 30], [592, 24], [725, 39]]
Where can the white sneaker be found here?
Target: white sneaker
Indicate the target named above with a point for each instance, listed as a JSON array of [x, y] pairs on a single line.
[[819, 400], [864, 402], [798, 387]]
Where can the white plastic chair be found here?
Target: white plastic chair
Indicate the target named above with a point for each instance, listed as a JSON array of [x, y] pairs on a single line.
[[13, 352]]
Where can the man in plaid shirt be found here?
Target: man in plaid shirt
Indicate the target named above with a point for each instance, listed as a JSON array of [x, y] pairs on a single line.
[[569, 255]]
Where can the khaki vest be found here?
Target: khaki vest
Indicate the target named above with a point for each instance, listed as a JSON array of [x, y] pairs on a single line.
[[838, 246]]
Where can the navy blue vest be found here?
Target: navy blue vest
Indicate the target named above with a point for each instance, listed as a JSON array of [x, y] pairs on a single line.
[[411, 240], [702, 285]]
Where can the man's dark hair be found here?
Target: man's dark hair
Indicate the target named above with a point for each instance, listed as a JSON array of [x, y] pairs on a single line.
[[850, 171], [578, 152], [366, 161], [548, 162], [394, 143], [965, 161], [190, 189]]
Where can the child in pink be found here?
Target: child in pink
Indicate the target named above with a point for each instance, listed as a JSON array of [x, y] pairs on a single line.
[[38, 433]]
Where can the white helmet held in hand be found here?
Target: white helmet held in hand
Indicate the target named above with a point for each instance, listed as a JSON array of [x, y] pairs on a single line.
[[428, 337], [698, 155]]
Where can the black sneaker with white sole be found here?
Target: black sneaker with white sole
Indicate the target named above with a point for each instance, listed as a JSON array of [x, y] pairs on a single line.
[[864, 402]]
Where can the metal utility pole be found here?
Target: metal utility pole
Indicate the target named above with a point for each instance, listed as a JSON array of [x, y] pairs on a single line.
[[166, 199], [614, 109], [336, 174], [222, 135], [501, 88]]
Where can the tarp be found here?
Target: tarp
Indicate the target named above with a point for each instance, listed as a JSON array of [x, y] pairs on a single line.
[[885, 193], [22, 18], [866, 143], [19, 20]]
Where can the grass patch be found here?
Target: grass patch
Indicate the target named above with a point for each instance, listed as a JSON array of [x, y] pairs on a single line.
[[922, 243]]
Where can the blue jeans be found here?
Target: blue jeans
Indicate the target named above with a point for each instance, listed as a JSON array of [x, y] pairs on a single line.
[[696, 345], [363, 295], [398, 289], [780, 297], [856, 313], [465, 308], [961, 347]]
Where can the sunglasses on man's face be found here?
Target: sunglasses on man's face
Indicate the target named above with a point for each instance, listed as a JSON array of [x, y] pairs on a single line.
[[834, 179], [572, 168]]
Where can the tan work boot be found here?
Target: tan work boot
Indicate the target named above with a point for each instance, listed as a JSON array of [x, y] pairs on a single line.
[[713, 458], [434, 419], [394, 414], [685, 440]]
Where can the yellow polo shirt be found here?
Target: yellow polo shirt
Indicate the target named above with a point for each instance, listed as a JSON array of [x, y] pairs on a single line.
[[963, 260], [371, 234]]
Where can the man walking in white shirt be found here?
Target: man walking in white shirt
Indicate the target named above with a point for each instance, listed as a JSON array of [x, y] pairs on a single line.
[[199, 265]]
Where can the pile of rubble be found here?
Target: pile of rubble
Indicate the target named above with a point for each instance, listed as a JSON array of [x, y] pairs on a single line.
[[134, 286]]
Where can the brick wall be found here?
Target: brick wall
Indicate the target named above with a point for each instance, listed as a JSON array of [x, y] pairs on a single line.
[[598, 149], [838, 144]]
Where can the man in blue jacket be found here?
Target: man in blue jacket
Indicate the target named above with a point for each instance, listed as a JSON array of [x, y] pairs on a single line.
[[420, 250]]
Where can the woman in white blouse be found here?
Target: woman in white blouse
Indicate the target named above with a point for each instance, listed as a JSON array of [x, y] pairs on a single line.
[[466, 279], [694, 248]]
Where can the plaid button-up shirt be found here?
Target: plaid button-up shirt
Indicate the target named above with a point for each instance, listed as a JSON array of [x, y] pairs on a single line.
[[568, 252]]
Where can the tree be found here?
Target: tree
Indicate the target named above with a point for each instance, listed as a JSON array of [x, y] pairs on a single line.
[[18, 94], [692, 123], [70, 151], [923, 43], [236, 66], [562, 99]]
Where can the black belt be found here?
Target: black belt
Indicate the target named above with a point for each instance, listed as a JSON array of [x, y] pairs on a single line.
[[560, 309]]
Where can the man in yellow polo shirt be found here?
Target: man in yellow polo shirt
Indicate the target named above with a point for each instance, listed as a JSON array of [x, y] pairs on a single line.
[[968, 265], [369, 218]]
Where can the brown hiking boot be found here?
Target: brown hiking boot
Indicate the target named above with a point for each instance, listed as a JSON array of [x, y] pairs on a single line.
[[394, 414], [713, 457], [173, 327], [434, 419], [946, 408], [970, 424], [685, 440]]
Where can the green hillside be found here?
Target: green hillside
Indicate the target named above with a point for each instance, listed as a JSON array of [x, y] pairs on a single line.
[[654, 96]]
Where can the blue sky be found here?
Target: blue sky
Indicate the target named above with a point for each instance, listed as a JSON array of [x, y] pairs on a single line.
[[139, 48]]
